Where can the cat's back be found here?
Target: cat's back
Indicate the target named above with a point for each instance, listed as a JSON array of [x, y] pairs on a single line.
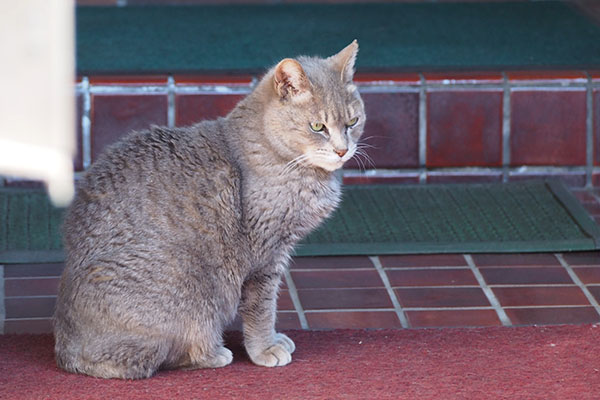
[[163, 184]]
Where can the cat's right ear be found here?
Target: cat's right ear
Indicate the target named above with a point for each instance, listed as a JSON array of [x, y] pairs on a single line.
[[291, 82]]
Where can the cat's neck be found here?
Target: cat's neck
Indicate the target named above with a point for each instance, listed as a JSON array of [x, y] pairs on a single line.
[[246, 135]]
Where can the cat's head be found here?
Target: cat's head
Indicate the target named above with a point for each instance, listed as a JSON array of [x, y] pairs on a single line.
[[315, 115]]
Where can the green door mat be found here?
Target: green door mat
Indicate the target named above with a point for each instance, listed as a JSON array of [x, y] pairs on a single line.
[[381, 219], [514, 217]]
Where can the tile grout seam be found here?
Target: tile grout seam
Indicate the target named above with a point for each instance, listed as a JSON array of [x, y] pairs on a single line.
[[296, 299], [171, 102], [388, 287], [589, 296], [86, 124], [422, 132], [589, 127], [504, 319], [506, 116]]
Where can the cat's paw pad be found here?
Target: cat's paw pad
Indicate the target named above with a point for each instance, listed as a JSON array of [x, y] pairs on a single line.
[[275, 356], [285, 341], [223, 357]]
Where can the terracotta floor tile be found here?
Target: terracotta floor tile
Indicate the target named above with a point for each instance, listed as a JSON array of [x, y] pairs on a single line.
[[31, 286], [331, 262], [427, 260], [588, 275], [583, 258], [287, 320], [29, 307], [431, 277], [336, 279], [595, 291], [442, 297], [452, 318], [526, 275], [31, 326], [514, 260], [284, 302], [353, 320], [322, 299], [552, 316], [33, 270], [540, 296]]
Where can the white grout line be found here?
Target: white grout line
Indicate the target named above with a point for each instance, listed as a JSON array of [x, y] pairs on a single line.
[[326, 310], [171, 102], [296, 300], [422, 128], [505, 128], [2, 306], [488, 292], [578, 282], [86, 123], [397, 307], [589, 126]]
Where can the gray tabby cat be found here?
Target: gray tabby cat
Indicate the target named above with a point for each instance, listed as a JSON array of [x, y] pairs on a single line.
[[174, 230]]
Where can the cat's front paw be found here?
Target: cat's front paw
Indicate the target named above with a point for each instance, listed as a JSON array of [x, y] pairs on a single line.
[[276, 355]]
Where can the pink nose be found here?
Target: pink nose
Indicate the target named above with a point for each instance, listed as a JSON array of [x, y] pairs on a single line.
[[341, 153]]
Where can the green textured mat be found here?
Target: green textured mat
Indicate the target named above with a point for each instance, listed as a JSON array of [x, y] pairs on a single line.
[[175, 39], [381, 219], [514, 217]]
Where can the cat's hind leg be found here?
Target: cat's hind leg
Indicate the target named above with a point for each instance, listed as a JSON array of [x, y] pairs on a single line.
[[117, 356]]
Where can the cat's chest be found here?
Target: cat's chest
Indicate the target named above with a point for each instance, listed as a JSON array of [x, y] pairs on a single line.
[[287, 210]]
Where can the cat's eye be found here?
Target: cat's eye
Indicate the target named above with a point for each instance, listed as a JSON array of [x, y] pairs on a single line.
[[317, 127], [352, 122]]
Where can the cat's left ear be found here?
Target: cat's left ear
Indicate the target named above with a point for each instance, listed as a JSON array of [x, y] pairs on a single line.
[[344, 61]]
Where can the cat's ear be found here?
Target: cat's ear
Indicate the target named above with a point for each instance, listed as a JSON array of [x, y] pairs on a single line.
[[290, 81], [344, 61]]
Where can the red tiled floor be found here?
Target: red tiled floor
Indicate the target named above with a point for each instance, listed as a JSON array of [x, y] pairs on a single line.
[[429, 260], [31, 326], [284, 302], [431, 277], [526, 275], [514, 260], [353, 320], [29, 307], [287, 320], [33, 270], [588, 275], [583, 258], [441, 297], [554, 315], [540, 296], [595, 291], [336, 279], [452, 318], [330, 262], [324, 299], [31, 286]]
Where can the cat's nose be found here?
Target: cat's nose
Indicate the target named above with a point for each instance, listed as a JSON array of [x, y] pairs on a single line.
[[341, 153]]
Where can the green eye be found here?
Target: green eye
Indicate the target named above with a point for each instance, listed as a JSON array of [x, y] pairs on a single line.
[[352, 122], [317, 126]]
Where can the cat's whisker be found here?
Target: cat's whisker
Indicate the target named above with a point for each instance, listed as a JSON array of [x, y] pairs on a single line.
[[293, 164], [367, 158]]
